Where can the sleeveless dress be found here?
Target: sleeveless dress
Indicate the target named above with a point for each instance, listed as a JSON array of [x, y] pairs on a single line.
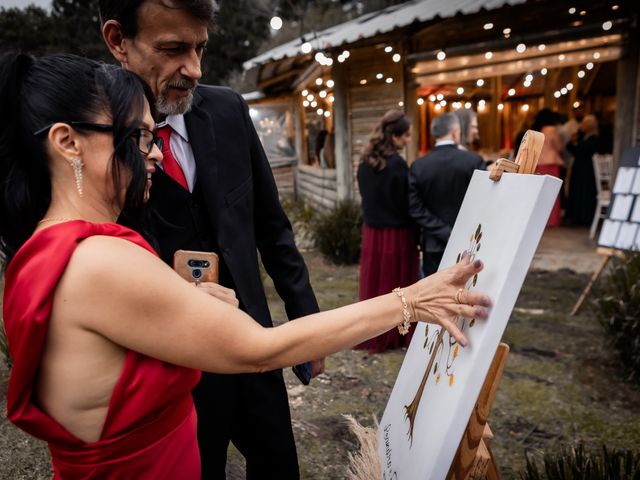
[[150, 427]]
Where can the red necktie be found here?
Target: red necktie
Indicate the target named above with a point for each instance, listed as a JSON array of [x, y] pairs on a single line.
[[169, 163]]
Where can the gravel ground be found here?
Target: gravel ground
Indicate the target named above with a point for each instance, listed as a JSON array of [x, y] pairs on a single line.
[[561, 385]]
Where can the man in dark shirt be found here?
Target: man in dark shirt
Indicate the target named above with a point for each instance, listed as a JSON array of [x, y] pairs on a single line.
[[437, 185]]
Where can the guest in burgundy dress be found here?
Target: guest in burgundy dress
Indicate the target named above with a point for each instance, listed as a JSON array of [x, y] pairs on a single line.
[[389, 254]]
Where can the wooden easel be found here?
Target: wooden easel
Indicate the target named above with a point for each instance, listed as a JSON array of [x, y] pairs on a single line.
[[608, 253], [474, 459]]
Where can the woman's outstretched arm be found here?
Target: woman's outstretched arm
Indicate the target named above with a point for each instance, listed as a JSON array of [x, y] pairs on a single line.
[[125, 294]]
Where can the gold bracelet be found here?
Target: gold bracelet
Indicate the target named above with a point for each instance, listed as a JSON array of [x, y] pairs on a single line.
[[403, 328]]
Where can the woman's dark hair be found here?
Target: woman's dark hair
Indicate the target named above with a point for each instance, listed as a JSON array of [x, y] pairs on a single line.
[[544, 118], [35, 93], [125, 12], [381, 146]]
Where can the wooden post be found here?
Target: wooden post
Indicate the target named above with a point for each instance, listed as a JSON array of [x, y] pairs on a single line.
[[627, 96], [342, 131], [494, 114]]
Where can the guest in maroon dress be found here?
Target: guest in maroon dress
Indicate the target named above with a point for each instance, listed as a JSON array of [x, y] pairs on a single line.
[[106, 340], [389, 253]]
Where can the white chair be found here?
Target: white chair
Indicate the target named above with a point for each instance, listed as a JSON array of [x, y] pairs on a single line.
[[603, 168]]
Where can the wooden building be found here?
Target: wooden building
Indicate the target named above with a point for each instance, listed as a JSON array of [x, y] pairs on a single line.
[[504, 59]]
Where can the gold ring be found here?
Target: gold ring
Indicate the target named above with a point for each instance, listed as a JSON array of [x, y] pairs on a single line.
[[458, 293]]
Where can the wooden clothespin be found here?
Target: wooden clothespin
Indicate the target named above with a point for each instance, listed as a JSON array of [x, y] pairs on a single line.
[[526, 159]]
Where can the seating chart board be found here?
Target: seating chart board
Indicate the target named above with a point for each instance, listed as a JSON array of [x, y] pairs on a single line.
[[621, 228]]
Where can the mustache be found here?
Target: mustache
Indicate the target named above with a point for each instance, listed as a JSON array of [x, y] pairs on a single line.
[[183, 83]]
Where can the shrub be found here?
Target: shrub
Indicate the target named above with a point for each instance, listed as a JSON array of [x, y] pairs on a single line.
[[576, 464], [618, 309], [338, 233]]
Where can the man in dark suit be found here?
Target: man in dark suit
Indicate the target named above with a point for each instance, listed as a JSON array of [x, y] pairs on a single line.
[[214, 191], [437, 185]]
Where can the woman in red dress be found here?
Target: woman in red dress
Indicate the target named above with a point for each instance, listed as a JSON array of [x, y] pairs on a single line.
[[389, 252], [106, 340]]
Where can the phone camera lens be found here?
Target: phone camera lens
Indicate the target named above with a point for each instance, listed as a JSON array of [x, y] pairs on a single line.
[[192, 263], [196, 273]]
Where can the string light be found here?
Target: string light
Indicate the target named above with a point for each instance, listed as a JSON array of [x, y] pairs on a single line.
[[557, 94], [441, 55], [500, 106], [543, 71], [389, 80], [438, 107], [305, 47], [420, 101], [330, 83], [511, 92], [596, 55], [320, 111], [488, 55], [460, 90], [327, 113], [589, 66], [332, 98], [561, 57], [581, 74], [563, 90], [439, 97], [541, 47], [525, 108], [318, 81], [305, 103], [314, 104], [363, 81], [305, 92], [467, 105], [606, 26], [379, 76], [396, 57], [443, 103], [276, 22], [572, 10], [310, 97], [488, 26], [569, 86], [576, 104], [432, 97], [521, 48], [480, 82], [401, 103], [506, 32], [388, 49], [322, 94]]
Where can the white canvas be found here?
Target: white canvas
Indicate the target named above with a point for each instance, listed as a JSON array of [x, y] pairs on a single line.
[[621, 207], [512, 215], [624, 179]]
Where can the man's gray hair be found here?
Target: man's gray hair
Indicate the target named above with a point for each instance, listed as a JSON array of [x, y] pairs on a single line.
[[444, 124]]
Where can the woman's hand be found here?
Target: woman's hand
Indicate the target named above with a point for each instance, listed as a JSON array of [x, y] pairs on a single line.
[[441, 298], [218, 291]]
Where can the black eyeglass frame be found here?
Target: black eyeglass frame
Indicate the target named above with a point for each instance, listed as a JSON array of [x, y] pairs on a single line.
[[103, 127]]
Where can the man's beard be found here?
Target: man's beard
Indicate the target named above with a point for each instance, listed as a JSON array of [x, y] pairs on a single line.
[[181, 106]]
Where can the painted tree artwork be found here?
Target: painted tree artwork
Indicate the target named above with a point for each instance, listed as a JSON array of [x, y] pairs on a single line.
[[500, 223], [435, 342]]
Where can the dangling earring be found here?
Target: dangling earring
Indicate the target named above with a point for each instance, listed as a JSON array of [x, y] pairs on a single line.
[[76, 164]]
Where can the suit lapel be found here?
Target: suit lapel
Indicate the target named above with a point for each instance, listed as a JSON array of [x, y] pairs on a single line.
[[202, 139]]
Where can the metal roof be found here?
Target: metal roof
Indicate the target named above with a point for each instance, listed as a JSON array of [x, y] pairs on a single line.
[[381, 21]]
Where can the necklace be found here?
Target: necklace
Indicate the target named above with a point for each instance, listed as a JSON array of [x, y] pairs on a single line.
[[55, 219]]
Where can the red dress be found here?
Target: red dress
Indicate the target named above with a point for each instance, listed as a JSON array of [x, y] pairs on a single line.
[[150, 427]]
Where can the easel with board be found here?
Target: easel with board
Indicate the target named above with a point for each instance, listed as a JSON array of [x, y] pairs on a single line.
[[474, 459], [621, 228]]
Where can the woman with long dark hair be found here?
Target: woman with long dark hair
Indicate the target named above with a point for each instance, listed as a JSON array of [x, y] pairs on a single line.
[[106, 340], [389, 253]]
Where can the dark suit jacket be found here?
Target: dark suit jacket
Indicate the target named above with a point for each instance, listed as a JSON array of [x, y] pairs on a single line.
[[240, 207], [437, 185]]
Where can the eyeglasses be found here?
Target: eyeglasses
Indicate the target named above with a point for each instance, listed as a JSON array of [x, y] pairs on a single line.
[[145, 138]]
